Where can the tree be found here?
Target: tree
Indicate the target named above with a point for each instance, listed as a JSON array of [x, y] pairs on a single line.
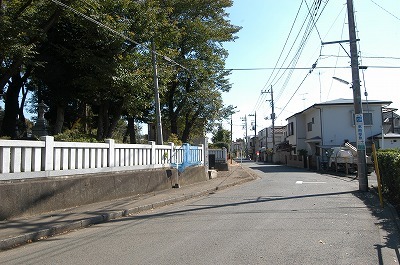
[[79, 67], [24, 27], [221, 138], [86, 65], [193, 95]]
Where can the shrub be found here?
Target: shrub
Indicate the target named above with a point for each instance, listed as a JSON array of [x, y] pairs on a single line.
[[173, 138], [75, 136], [389, 167]]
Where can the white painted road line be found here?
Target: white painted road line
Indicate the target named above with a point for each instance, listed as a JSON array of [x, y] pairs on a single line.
[[309, 182]]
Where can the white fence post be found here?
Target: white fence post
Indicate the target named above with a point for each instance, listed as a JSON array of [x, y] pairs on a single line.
[[171, 154], [205, 154], [5, 160], [48, 154], [225, 154], [201, 156], [111, 152], [153, 160]]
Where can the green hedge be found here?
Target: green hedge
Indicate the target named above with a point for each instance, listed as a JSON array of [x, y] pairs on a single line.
[[389, 167]]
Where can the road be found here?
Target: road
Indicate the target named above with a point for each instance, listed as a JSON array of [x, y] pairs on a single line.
[[287, 216]]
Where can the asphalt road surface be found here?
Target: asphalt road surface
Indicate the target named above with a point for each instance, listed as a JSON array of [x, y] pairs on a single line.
[[287, 216]]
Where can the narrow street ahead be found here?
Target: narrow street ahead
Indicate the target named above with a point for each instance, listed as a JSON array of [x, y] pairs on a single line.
[[287, 216]]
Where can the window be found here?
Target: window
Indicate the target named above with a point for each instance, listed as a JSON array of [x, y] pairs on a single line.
[[290, 129], [367, 119], [309, 126]]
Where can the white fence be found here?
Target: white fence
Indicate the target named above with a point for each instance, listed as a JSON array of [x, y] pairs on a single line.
[[48, 158]]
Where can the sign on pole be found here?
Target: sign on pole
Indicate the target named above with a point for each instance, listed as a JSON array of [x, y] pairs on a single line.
[[360, 131]]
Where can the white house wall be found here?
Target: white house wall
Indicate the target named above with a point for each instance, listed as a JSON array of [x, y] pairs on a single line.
[[338, 124], [292, 138], [389, 143], [299, 136], [313, 116], [301, 131]]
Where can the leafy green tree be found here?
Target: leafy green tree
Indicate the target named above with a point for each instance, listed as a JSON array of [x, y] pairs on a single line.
[[193, 95], [87, 65], [24, 27], [221, 137], [79, 67]]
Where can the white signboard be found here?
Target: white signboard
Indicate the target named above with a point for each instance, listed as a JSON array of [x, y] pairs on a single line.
[[360, 131]]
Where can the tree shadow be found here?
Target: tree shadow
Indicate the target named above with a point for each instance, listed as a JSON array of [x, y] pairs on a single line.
[[387, 220]]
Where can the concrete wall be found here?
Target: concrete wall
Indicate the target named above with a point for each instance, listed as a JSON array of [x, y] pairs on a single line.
[[286, 158], [35, 196]]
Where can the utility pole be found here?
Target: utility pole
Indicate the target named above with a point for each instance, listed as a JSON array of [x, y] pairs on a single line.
[[359, 119], [255, 134], [245, 140], [273, 120], [358, 112], [231, 143], [159, 137], [273, 124]]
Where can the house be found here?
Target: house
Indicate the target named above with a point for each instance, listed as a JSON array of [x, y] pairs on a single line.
[[266, 142], [253, 147], [262, 143], [390, 135], [391, 121], [388, 141], [324, 125]]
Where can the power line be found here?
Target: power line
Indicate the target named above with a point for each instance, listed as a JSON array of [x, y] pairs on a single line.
[[284, 68], [310, 17], [385, 10], [318, 3], [337, 57], [294, 94], [364, 57], [307, 32], [284, 46], [308, 68]]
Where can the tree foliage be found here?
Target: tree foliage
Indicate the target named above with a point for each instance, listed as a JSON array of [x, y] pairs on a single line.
[[221, 138], [88, 74], [389, 167]]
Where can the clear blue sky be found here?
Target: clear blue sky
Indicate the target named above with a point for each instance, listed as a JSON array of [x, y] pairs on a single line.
[[266, 26]]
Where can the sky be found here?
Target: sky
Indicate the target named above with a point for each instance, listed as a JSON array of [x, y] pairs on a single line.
[[260, 49]]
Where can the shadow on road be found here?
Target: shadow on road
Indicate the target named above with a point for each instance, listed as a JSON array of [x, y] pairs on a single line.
[[271, 168], [386, 217]]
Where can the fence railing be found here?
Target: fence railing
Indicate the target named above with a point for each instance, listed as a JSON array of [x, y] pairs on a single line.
[[48, 158]]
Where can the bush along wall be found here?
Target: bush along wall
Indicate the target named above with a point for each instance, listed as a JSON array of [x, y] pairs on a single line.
[[389, 167]]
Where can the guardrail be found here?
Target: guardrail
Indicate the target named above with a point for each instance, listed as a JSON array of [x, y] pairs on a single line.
[[49, 158]]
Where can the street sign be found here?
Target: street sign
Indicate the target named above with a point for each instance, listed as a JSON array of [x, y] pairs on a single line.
[[360, 131]]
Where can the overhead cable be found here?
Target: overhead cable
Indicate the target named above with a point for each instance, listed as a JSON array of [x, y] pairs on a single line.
[[307, 32], [385, 10]]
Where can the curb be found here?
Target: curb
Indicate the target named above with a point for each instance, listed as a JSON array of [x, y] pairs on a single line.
[[16, 241]]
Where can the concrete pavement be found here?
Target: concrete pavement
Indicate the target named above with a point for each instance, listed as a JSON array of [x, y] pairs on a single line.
[[19, 231], [24, 230]]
